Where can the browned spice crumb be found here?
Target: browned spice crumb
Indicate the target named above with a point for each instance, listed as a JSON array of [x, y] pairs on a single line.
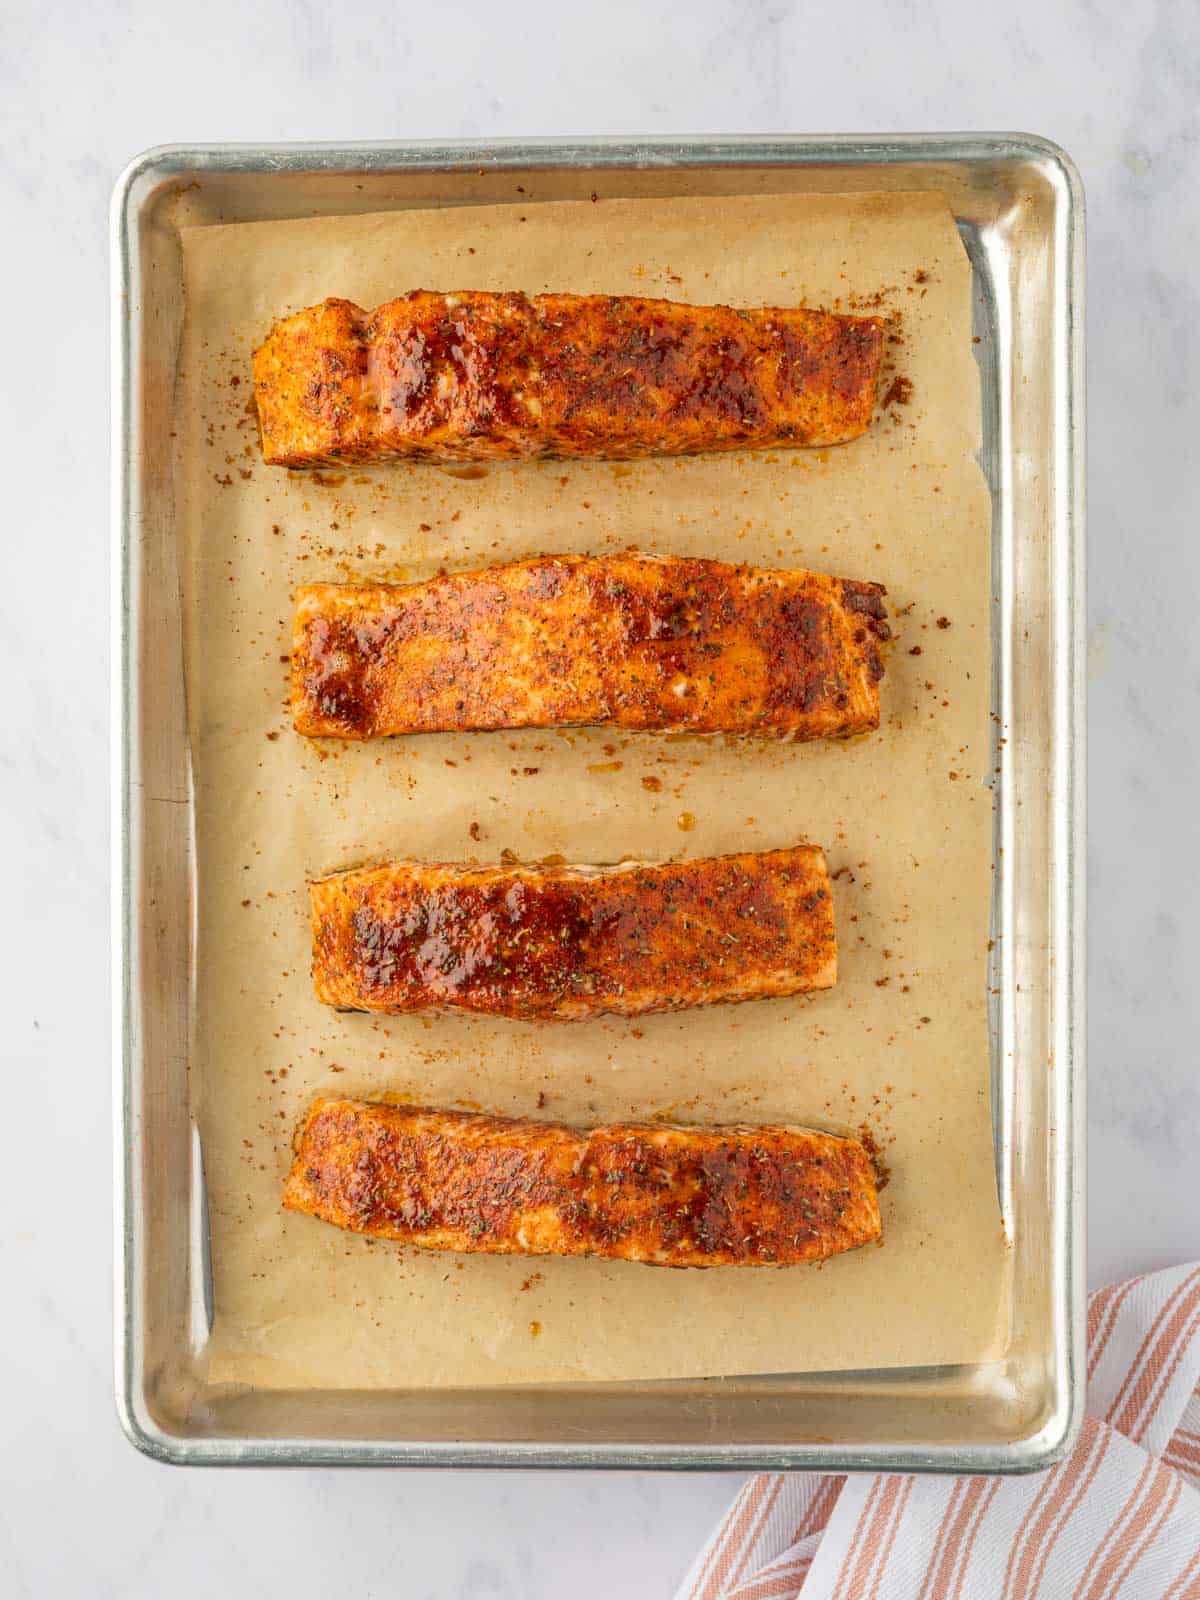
[[943, 622], [898, 394], [883, 1173], [534, 1327], [652, 783], [273, 735], [541, 1099], [475, 831], [915, 651]]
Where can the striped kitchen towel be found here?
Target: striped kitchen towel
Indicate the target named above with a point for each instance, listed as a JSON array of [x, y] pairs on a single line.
[[1119, 1519]]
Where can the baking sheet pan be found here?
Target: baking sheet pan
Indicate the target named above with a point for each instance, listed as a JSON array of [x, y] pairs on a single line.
[[789, 1408]]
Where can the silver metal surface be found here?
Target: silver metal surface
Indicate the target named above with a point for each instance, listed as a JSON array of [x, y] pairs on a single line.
[[1020, 213]]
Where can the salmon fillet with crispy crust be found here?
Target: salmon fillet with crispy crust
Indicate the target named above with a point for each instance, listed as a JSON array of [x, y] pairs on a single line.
[[482, 376], [567, 943], [631, 640], [665, 1196]]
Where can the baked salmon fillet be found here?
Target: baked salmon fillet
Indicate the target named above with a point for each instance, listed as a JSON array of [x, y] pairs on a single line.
[[632, 640], [567, 943], [665, 1196], [482, 376]]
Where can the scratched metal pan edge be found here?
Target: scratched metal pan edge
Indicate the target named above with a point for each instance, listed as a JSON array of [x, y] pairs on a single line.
[[1019, 205]]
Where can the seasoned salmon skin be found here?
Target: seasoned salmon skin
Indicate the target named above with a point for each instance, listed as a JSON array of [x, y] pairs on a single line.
[[567, 943], [665, 1196], [630, 640], [483, 376]]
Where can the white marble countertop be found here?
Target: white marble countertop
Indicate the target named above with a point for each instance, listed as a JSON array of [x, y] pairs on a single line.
[[86, 87]]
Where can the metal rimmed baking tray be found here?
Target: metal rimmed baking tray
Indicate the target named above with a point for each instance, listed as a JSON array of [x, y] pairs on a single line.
[[1019, 210]]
